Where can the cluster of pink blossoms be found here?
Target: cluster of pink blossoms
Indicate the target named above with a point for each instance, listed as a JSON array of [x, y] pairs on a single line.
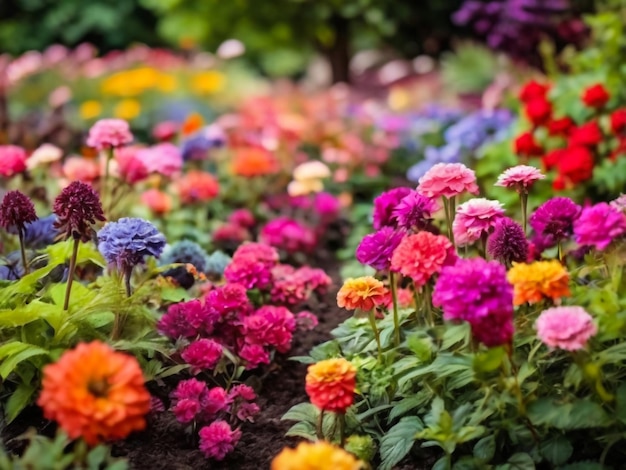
[[289, 235], [293, 286], [194, 401]]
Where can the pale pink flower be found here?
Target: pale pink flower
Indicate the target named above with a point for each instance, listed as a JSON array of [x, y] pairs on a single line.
[[46, 153], [475, 218], [109, 133], [447, 180], [81, 169], [164, 158], [520, 177], [566, 328]]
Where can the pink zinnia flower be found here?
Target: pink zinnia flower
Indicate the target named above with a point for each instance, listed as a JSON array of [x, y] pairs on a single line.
[[254, 355], [203, 354], [242, 218], [599, 225], [475, 218], [289, 235], [218, 439], [262, 252], [421, 255], [130, 168], [566, 328], [165, 130], [109, 133], [216, 400], [81, 169], [520, 177], [228, 298], [447, 180], [384, 204], [270, 326], [12, 160], [164, 159]]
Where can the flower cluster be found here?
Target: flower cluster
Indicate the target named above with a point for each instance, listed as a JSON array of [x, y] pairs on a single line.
[[289, 235]]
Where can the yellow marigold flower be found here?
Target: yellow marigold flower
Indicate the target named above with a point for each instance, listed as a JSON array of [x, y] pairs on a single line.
[[315, 456], [330, 384], [95, 393], [537, 281], [167, 83], [90, 109], [127, 109], [205, 83], [364, 292]]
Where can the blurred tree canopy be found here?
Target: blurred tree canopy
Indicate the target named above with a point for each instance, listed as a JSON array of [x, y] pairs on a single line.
[[108, 24], [279, 35]]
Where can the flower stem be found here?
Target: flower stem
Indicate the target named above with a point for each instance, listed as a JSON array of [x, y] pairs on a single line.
[[127, 275], [372, 318], [20, 234], [70, 274], [320, 425], [394, 298], [560, 248], [105, 181], [428, 304], [342, 429], [523, 196], [448, 207]]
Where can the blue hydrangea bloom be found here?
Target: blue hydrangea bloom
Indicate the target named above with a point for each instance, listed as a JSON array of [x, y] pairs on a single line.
[[128, 241], [185, 251], [217, 262], [41, 232], [196, 146]]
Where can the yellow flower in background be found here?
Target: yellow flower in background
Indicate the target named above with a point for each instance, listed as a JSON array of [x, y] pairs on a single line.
[[127, 109], [90, 109], [399, 99], [205, 83], [166, 83], [315, 456], [129, 83]]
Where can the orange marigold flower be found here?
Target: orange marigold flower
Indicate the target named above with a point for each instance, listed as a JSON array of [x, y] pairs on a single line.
[[157, 201], [330, 384], [193, 123], [96, 393], [315, 456], [197, 186], [252, 161], [364, 292], [537, 281]]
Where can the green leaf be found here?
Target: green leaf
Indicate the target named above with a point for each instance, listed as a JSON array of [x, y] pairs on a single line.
[[485, 449], [399, 441], [301, 412], [80, 295], [407, 404], [302, 429], [422, 347], [584, 465], [557, 451], [31, 312], [519, 461], [18, 400], [97, 456], [8, 365], [443, 463], [579, 414], [620, 403], [489, 361]]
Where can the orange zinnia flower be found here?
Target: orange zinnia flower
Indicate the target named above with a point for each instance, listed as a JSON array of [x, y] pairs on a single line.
[[157, 201], [330, 384], [364, 292], [96, 393], [537, 281], [252, 161], [197, 186], [315, 456]]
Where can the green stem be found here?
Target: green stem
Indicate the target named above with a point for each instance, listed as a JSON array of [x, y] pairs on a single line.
[[320, 425], [523, 196], [127, 275], [483, 245], [105, 181], [560, 249], [342, 429], [428, 305], [372, 318], [394, 298], [20, 234], [70, 274]]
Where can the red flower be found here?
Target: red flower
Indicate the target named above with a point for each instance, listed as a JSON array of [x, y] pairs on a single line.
[[532, 90], [620, 150], [552, 158], [539, 111], [560, 126], [526, 145], [618, 121], [595, 96], [576, 165], [588, 134]]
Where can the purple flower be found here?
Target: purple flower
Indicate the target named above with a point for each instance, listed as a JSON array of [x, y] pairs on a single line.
[[555, 218], [599, 225], [385, 204], [77, 208], [477, 291], [376, 249], [413, 211], [128, 241], [16, 210], [508, 243]]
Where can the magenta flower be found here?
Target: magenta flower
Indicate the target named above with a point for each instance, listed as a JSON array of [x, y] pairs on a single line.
[[187, 320], [289, 235], [306, 321], [476, 291], [164, 159], [254, 355], [216, 400], [599, 225], [16, 211], [12, 160], [243, 391], [203, 354], [249, 272], [77, 208], [326, 206], [566, 328], [242, 218], [228, 299], [520, 177], [384, 205], [508, 243], [270, 326], [447, 180], [376, 249], [414, 211], [109, 133], [475, 218], [554, 219], [188, 398], [218, 439], [261, 251]]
